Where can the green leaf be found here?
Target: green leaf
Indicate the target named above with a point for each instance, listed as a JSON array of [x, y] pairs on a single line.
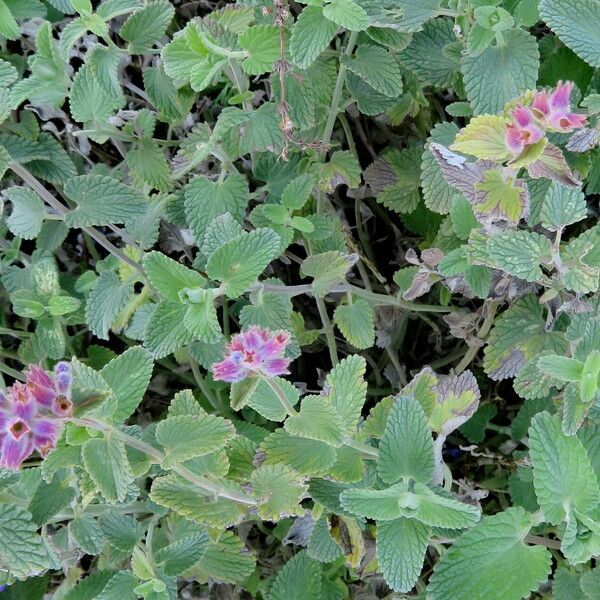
[[104, 63], [169, 277], [178, 556], [188, 436], [9, 28], [279, 491], [394, 179], [562, 474], [27, 214], [441, 509], [128, 376], [561, 367], [382, 505], [226, 560], [145, 27], [518, 335], [205, 200], [519, 253], [377, 67], [574, 23], [406, 447], [256, 393], [491, 561], [356, 322], [238, 263], [562, 206], [414, 13], [22, 550], [105, 460], [327, 270], [347, 14], [108, 298], [299, 579], [321, 545], [501, 73], [401, 546], [89, 101], [312, 33], [87, 534], [262, 44], [187, 500], [317, 420], [305, 456], [63, 305], [201, 316], [441, 67], [437, 192], [348, 390], [165, 330], [49, 499], [457, 400], [102, 201], [122, 532], [483, 137], [297, 192]]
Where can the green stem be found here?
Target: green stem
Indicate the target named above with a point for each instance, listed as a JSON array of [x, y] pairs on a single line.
[[334, 109], [11, 372], [289, 409], [491, 309], [201, 383], [327, 330], [374, 298], [365, 449], [207, 486], [35, 185]]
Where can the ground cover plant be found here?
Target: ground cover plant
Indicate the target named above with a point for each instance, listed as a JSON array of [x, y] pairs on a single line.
[[299, 299]]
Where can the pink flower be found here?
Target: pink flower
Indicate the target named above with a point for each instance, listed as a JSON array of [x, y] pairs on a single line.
[[30, 414], [53, 393], [256, 350], [522, 131], [555, 108]]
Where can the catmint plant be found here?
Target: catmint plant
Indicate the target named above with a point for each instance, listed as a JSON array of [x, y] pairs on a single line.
[[300, 300]]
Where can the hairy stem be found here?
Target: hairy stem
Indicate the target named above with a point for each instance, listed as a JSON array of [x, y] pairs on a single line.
[[490, 309], [98, 237], [334, 109], [208, 487], [328, 330], [289, 409]]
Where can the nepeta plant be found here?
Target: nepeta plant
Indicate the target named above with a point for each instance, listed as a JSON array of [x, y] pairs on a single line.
[[300, 299]]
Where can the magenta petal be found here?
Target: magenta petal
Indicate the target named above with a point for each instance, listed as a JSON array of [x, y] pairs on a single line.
[[540, 103], [229, 371], [45, 428], [40, 385], [24, 410], [512, 139], [14, 452], [522, 116], [560, 98], [276, 366]]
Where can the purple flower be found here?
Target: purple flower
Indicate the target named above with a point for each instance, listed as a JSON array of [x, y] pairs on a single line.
[[522, 131], [555, 108], [53, 393], [256, 350], [31, 413], [548, 111]]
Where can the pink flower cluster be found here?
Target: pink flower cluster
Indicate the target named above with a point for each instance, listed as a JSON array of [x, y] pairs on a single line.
[[256, 350], [31, 414], [548, 111]]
